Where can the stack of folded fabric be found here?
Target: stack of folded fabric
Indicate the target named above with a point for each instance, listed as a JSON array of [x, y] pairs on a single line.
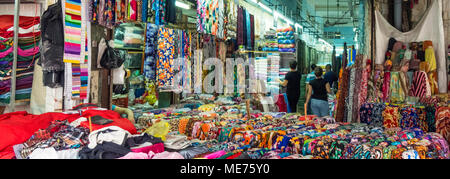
[[273, 73], [270, 42], [129, 36], [261, 65], [28, 53], [286, 40]]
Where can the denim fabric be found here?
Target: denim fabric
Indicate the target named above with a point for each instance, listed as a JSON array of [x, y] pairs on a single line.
[[319, 107]]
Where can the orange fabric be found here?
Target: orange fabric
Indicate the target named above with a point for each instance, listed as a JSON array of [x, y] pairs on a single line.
[[427, 44]]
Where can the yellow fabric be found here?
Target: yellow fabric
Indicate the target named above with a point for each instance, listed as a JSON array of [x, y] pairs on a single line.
[[159, 129], [430, 59]]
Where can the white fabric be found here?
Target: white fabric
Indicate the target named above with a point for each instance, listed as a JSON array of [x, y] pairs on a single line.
[[429, 28], [115, 135], [119, 75], [51, 153], [77, 122], [34, 28]]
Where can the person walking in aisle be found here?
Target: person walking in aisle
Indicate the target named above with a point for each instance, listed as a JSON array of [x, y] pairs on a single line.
[[330, 76], [311, 76], [292, 83], [317, 93]]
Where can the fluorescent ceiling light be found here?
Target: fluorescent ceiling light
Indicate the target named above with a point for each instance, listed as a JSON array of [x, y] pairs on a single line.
[[255, 1], [265, 7], [182, 5]]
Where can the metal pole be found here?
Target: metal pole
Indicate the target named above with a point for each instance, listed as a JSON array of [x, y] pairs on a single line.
[[12, 99]]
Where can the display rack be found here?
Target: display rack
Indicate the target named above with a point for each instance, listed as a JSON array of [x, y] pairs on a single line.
[[12, 102]]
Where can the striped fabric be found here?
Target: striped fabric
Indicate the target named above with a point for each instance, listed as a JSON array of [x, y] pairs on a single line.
[[419, 84], [72, 32], [76, 46]]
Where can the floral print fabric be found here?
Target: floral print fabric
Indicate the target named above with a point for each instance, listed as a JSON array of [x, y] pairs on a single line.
[[390, 115], [166, 52]]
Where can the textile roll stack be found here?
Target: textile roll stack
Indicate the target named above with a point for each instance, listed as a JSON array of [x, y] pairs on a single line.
[[28, 53]]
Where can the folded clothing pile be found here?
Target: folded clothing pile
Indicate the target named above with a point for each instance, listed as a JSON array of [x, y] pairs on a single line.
[[270, 41], [286, 40], [28, 53]]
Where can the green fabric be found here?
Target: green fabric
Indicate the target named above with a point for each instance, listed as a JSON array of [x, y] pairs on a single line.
[[18, 97], [69, 19], [226, 156], [23, 47], [10, 58], [302, 99]]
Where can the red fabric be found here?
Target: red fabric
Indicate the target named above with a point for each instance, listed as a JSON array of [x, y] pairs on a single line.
[[25, 22], [234, 155], [123, 123], [282, 106], [10, 34], [17, 127]]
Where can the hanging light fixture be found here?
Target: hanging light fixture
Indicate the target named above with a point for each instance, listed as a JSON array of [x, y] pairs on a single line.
[[182, 5], [265, 7]]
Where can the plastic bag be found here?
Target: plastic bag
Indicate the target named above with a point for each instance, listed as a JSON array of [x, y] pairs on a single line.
[[111, 58], [159, 129]]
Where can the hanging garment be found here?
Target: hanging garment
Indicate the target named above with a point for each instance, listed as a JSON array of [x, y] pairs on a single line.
[[52, 39]]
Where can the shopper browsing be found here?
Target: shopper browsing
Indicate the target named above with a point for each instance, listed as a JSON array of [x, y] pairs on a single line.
[[292, 83], [317, 93], [330, 76]]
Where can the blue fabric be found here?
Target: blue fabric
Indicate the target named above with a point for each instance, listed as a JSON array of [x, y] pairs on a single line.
[[150, 52], [247, 23], [144, 10], [319, 107], [287, 103]]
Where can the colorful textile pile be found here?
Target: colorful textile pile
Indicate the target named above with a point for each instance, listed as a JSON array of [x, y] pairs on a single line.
[[270, 41], [281, 135], [27, 54], [286, 40]]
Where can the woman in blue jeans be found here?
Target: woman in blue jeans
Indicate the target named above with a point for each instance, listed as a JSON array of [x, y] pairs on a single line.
[[317, 93]]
